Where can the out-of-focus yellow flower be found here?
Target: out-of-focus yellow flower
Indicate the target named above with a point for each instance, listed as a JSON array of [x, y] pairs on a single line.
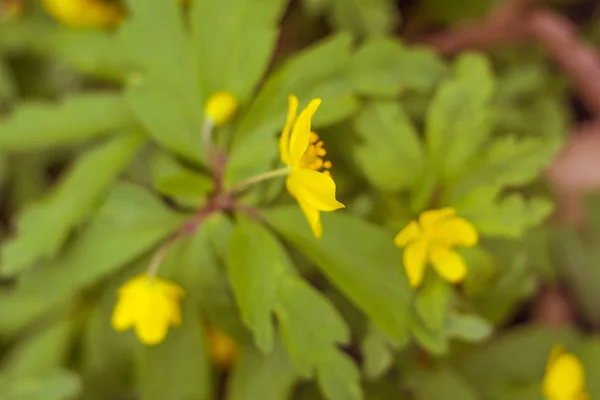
[[565, 377], [221, 107], [431, 239], [309, 181], [223, 349], [150, 306], [85, 13]]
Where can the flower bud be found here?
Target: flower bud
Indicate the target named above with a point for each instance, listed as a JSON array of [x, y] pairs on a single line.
[[221, 107], [223, 349]]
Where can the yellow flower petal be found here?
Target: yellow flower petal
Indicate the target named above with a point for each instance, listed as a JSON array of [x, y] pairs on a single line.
[[174, 313], [314, 188], [313, 217], [414, 258], [122, 316], [299, 139], [284, 139], [84, 13], [408, 234], [150, 306], [430, 218], [151, 331], [454, 231], [448, 263], [565, 378], [175, 292], [153, 317], [557, 351]]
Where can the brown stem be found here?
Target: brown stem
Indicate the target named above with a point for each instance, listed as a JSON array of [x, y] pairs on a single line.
[[516, 22], [506, 24], [578, 60]]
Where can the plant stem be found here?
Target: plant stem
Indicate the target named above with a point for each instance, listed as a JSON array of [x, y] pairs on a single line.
[[159, 256], [259, 178], [207, 130]]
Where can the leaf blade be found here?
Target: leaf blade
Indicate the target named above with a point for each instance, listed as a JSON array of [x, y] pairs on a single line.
[[45, 225]]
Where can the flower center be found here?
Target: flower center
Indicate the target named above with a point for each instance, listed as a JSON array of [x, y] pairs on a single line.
[[313, 157]]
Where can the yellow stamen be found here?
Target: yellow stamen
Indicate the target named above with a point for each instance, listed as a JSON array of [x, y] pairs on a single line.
[[313, 158]]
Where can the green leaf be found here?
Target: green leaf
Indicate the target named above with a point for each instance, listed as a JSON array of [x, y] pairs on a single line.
[[459, 120], [509, 216], [384, 67], [128, 225], [234, 40], [89, 51], [313, 345], [57, 385], [45, 225], [41, 352], [307, 76], [8, 88], [471, 328], [339, 378], [4, 169], [262, 376], [174, 180], [377, 352], [518, 357], [389, 152], [299, 310], [166, 123], [443, 12], [365, 18], [589, 353], [209, 281], [253, 268], [369, 275], [507, 279], [506, 162], [435, 342], [575, 256], [178, 368], [432, 302], [441, 384], [107, 356], [315, 8], [167, 99], [36, 125]]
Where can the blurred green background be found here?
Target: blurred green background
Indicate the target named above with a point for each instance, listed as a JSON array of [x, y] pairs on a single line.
[[490, 107]]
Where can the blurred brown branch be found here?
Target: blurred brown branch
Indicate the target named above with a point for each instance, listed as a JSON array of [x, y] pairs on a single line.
[[519, 21], [506, 24], [576, 170]]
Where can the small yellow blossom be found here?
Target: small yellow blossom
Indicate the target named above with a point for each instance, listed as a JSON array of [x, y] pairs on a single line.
[[223, 349], [431, 239], [309, 181], [85, 13], [150, 306], [565, 377], [221, 107]]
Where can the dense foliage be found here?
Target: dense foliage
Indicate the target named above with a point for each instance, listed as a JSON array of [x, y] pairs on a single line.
[[244, 199]]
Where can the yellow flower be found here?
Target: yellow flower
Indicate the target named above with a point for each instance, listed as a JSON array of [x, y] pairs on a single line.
[[565, 377], [85, 13], [223, 349], [309, 181], [221, 107], [150, 305], [432, 239]]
